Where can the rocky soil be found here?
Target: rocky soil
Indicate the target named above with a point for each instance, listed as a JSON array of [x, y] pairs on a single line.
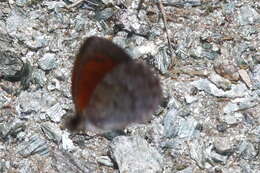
[[206, 52]]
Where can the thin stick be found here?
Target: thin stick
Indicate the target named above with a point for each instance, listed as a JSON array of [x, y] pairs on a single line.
[[165, 24]]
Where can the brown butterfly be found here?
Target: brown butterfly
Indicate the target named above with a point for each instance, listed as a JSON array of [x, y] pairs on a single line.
[[109, 89]]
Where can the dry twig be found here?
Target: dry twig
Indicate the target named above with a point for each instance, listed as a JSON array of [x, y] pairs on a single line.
[[165, 25]]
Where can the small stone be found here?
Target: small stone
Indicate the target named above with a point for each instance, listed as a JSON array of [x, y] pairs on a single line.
[[223, 145], [186, 170], [197, 149], [133, 154], [105, 160], [256, 132], [190, 99], [11, 128], [34, 145], [144, 49], [208, 87], [66, 162], [222, 127], [218, 158], [247, 150], [31, 103], [245, 77], [248, 31], [104, 14], [162, 61], [172, 102], [54, 4], [220, 82], [238, 90], [56, 112], [36, 42], [204, 52], [230, 107], [53, 84], [233, 169], [3, 167], [39, 77], [169, 122], [227, 70], [176, 126], [21, 136], [48, 61], [233, 118], [3, 99], [17, 127], [67, 143], [109, 2], [60, 74], [22, 2], [256, 58], [248, 119], [14, 22], [229, 8], [256, 76], [248, 15], [51, 132], [121, 41], [240, 104], [184, 112], [246, 167], [4, 130]]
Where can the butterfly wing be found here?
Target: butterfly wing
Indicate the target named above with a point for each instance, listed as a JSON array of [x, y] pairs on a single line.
[[109, 89], [96, 57], [130, 93]]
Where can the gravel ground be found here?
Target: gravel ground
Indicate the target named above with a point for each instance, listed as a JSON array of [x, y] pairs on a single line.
[[207, 53]]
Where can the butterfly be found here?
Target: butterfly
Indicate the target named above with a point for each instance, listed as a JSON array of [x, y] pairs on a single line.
[[109, 89]]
